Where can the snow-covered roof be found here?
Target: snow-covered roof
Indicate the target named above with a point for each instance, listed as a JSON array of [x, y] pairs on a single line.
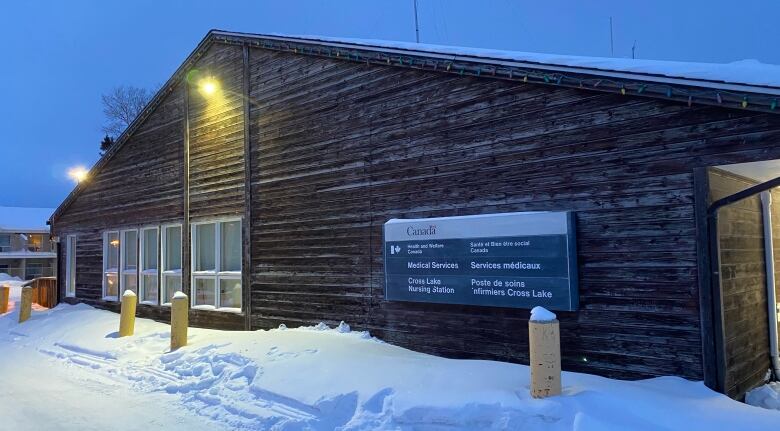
[[746, 76], [22, 219], [743, 72]]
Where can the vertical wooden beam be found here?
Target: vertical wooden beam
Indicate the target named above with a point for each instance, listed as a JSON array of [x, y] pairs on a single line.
[[185, 225], [246, 226], [701, 185], [60, 293]]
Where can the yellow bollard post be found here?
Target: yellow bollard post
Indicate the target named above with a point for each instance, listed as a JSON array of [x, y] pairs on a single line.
[[5, 290], [25, 310], [127, 314], [545, 356], [179, 320]]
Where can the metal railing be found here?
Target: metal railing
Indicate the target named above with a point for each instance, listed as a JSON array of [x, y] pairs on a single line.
[[28, 273], [25, 247]]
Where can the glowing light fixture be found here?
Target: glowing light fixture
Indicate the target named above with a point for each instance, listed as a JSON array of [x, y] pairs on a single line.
[[78, 174], [208, 86]]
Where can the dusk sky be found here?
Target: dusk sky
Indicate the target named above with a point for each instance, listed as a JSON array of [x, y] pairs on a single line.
[[61, 56]]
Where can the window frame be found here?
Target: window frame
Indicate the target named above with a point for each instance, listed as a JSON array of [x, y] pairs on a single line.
[[70, 266], [106, 269], [143, 272], [164, 274], [216, 274], [123, 258], [6, 248], [33, 270]]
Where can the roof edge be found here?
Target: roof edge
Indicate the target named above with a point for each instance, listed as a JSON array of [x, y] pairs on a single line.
[[595, 75], [492, 60], [164, 90]]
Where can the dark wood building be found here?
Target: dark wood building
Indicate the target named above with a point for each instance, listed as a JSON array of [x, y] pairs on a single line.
[[259, 178]]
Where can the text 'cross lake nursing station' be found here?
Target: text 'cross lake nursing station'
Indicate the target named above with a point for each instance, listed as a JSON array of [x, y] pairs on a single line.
[[517, 260]]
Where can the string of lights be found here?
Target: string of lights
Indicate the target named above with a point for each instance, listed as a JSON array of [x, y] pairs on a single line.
[[689, 95]]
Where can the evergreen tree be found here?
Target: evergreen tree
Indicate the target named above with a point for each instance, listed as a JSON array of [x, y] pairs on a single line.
[[107, 142]]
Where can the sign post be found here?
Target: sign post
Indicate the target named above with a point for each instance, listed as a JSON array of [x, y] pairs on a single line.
[[517, 260]]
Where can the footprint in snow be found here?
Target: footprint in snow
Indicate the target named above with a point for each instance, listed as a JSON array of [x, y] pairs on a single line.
[[274, 354]]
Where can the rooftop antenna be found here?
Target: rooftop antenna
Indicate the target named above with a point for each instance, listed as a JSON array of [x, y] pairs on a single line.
[[611, 42], [416, 25]]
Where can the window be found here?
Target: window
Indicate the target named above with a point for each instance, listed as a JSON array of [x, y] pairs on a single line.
[[216, 263], [70, 266], [171, 262], [33, 270], [34, 242], [129, 256], [110, 265], [5, 242], [150, 246]]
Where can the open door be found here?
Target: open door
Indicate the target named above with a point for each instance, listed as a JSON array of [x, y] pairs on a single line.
[[738, 232]]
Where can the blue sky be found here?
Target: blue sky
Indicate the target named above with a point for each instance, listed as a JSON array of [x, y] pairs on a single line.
[[59, 57]]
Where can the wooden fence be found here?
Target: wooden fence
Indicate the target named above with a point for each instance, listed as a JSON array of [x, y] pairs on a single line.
[[44, 291]]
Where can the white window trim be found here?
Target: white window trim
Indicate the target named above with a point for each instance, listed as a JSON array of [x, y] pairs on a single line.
[[143, 272], [105, 263], [123, 257], [215, 274], [163, 263], [70, 269]]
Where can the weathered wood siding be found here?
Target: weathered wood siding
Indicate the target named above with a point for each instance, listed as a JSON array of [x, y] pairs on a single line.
[[743, 277], [216, 149], [141, 185], [217, 137], [340, 147]]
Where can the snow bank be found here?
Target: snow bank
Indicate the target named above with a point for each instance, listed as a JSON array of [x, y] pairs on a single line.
[[6, 277], [767, 396], [322, 378], [541, 314]]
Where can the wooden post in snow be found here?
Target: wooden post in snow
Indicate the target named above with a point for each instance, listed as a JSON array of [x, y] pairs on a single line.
[[180, 307], [545, 356], [5, 291], [25, 310]]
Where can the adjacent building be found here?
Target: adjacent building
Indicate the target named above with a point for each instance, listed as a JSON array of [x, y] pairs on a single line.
[[26, 250], [261, 177]]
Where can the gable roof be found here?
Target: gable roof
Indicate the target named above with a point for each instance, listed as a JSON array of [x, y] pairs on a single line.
[[749, 75], [746, 84]]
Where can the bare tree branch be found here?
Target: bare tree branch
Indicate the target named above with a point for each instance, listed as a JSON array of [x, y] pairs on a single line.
[[121, 106]]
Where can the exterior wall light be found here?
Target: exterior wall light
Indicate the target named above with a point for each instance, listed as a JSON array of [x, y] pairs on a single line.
[[77, 174], [208, 86]]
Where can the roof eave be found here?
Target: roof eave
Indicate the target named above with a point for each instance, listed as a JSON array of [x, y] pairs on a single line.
[[221, 35], [156, 100], [649, 77]]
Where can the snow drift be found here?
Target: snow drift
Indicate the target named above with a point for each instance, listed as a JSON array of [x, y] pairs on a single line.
[[319, 378]]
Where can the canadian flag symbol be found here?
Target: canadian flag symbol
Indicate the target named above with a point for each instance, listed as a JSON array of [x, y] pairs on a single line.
[[394, 249]]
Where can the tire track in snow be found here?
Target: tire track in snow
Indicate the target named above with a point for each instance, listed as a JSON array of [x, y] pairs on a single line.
[[212, 383]]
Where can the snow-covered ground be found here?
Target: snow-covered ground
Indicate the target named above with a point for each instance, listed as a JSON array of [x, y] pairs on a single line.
[[66, 369], [766, 396], [8, 278]]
